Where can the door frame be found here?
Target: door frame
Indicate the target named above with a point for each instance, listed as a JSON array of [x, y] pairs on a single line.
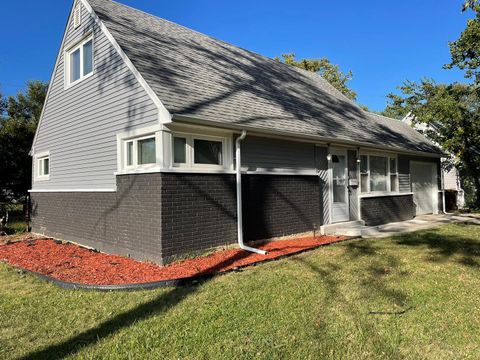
[[344, 152], [434, 174]]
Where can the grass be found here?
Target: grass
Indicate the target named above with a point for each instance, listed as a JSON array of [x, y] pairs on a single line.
[[413, 296], [16, 220]]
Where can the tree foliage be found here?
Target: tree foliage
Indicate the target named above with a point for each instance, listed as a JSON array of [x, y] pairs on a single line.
[[325, 69], [18, 121], [465, 51]]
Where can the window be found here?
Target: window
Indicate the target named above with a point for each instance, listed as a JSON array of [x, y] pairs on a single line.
[[364, 173], [378, 174], [179, 150], [198, 151], [207, 152], [79, 61], [43, 166], [140, 152], [393, 174]]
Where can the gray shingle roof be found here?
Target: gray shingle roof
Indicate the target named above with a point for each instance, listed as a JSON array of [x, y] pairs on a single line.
[[201, 77]]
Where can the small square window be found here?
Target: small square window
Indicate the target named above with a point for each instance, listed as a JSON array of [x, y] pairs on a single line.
[[207, 152], [146, 151], [79, 61], [43, 167]]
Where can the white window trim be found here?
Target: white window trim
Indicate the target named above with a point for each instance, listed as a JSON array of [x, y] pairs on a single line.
[[135, 167], [39, 166], [190, 155], [388, 156], [66, 60]]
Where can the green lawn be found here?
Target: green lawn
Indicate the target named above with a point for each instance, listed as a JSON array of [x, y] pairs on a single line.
[[415, 296]]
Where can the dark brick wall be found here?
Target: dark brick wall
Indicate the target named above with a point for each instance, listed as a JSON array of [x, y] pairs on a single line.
[[126, 222], [385, 209], [158, 216], [277, 205], [198, 212]]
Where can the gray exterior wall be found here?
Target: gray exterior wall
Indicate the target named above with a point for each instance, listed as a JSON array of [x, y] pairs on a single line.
[[322, 167], [198, 212], [80, 124], [126, 222], [405, 182], [267, 154], [385, 209], [279, 205]]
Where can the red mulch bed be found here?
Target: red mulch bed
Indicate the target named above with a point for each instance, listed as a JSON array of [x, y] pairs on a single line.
[[73, 263]]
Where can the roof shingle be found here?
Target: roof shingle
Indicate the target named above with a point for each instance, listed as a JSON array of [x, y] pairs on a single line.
[[201, 77]]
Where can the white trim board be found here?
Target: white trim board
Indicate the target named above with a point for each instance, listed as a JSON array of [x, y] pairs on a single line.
[[70, 190]]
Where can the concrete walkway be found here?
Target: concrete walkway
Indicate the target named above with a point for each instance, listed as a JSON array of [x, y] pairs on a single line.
[[421, 222]]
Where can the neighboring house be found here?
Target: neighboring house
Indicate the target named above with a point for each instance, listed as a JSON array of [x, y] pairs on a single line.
[[136, 147], [450, 174]]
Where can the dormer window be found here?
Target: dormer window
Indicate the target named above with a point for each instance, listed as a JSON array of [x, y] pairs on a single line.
[[79, 61]]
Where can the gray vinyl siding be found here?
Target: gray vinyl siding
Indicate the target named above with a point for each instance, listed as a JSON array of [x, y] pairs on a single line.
[[322, 167], [80, 124], [267, 154]]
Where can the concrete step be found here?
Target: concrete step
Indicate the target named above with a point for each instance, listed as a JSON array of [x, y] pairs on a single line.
[[343, 228]]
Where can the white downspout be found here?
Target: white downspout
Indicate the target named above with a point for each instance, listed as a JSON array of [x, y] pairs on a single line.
[[238, 170], [442, 181]]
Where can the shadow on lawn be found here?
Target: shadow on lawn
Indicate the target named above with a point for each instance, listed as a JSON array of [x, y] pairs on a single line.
[[159, 305]]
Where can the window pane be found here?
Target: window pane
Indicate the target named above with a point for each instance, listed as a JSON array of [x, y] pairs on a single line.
[[393, 182], [146, 151], [75, 65], [46, 166], [378, 173], [363, 164], [339, 180], [393, 165], [87, 58], [179, 150], [207, 152], [130, 153], [364, 183]]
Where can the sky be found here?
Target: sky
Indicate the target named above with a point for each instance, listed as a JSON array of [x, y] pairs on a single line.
[[382, 42]]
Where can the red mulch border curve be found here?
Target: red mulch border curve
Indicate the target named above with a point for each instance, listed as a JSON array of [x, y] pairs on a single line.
[[72, 266]]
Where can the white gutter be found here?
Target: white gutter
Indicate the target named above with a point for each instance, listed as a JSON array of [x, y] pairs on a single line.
[[442, 183], [238, 164]]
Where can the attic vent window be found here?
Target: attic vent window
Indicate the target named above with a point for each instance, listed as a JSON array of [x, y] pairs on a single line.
[[77, 16]]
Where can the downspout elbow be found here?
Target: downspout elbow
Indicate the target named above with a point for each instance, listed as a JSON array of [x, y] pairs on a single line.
[[238, 173]]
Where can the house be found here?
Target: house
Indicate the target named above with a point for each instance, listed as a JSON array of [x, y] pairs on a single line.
[[449, 176], [145, 120]]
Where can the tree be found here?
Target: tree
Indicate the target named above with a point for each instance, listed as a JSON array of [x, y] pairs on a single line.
[[325, 69], [452, 112], [465, 51], [18, 122]]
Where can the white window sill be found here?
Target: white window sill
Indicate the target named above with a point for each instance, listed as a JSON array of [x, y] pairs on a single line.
[[382, 194], [139, 170], [42, 178]]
